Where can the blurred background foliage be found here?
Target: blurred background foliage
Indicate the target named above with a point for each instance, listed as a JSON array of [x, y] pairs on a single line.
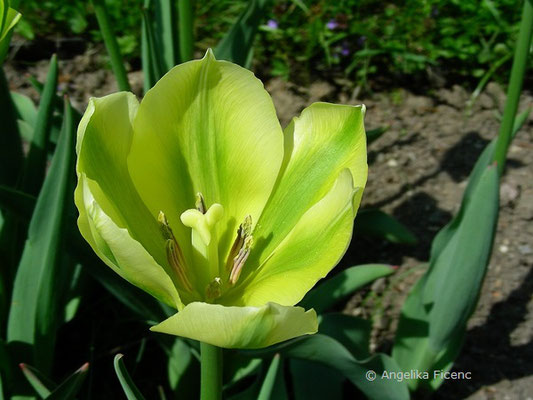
[[355, 38]]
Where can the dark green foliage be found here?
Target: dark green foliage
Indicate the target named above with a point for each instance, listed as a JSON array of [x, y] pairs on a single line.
[[358, 38]]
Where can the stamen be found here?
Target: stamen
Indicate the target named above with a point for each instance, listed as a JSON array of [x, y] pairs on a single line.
[[238, 262], [175, 258], [244, 230], [174, 255]]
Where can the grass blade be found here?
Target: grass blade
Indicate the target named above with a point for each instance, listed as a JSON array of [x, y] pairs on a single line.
[[111, 45], [129, 388], [34, 309], [34, 169], [237, 44]]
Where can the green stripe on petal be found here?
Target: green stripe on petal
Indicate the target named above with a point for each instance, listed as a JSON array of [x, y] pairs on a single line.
[[207, 126], [119, 250], [319, 144], [311, 249], [240, 327]]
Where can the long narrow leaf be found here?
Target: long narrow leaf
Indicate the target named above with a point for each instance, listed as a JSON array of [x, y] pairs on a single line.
[[273, 379], [186, 32], [71, 386], [111, 45], [33, 313], [129, 388], [149, 78], [335, 289], [464, 261], [38, 381], [34, 168], [165, 32], [154, 53], [237, 44]]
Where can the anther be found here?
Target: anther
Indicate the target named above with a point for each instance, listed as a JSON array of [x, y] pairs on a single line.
[[174, 255], [238, 262], [244, 230]]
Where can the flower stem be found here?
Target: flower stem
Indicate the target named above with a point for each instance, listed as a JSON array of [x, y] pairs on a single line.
[[211, 372], [515, 84]]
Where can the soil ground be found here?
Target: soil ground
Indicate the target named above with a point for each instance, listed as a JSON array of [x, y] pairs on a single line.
[[418, 171]]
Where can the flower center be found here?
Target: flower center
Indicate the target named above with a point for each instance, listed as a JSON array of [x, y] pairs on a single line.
[[213, 279]]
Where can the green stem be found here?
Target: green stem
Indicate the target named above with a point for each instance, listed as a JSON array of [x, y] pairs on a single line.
[[211, 372], [515, 85], [111, 45], [186, 34]]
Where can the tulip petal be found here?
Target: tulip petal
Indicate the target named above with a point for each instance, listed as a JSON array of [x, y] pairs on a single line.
[[311, 249], [319, 144], [240, 327], [104, 140], [207, 126], [116, 247]]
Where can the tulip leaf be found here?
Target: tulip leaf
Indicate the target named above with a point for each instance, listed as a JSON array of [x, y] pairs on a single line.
[[34, 169], [186, 29], [165, 32], [374, 134], [33, 314], [314, 381], [463, 262], [238, 367], [237, 44], [149, 78], [129, 388], [19, 203], [25, 108], [337, 288], [154, 54], [273, 387], [379, 224], [482, 163], [39, 382], [352, 332], [183, 371], [71, 386], [326, 350]]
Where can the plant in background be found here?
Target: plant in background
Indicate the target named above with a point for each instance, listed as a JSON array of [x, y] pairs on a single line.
[[8, 19], [273, 212]]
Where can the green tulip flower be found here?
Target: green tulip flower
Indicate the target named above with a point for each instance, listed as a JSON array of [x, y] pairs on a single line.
[[198, 197], [8, 19]]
